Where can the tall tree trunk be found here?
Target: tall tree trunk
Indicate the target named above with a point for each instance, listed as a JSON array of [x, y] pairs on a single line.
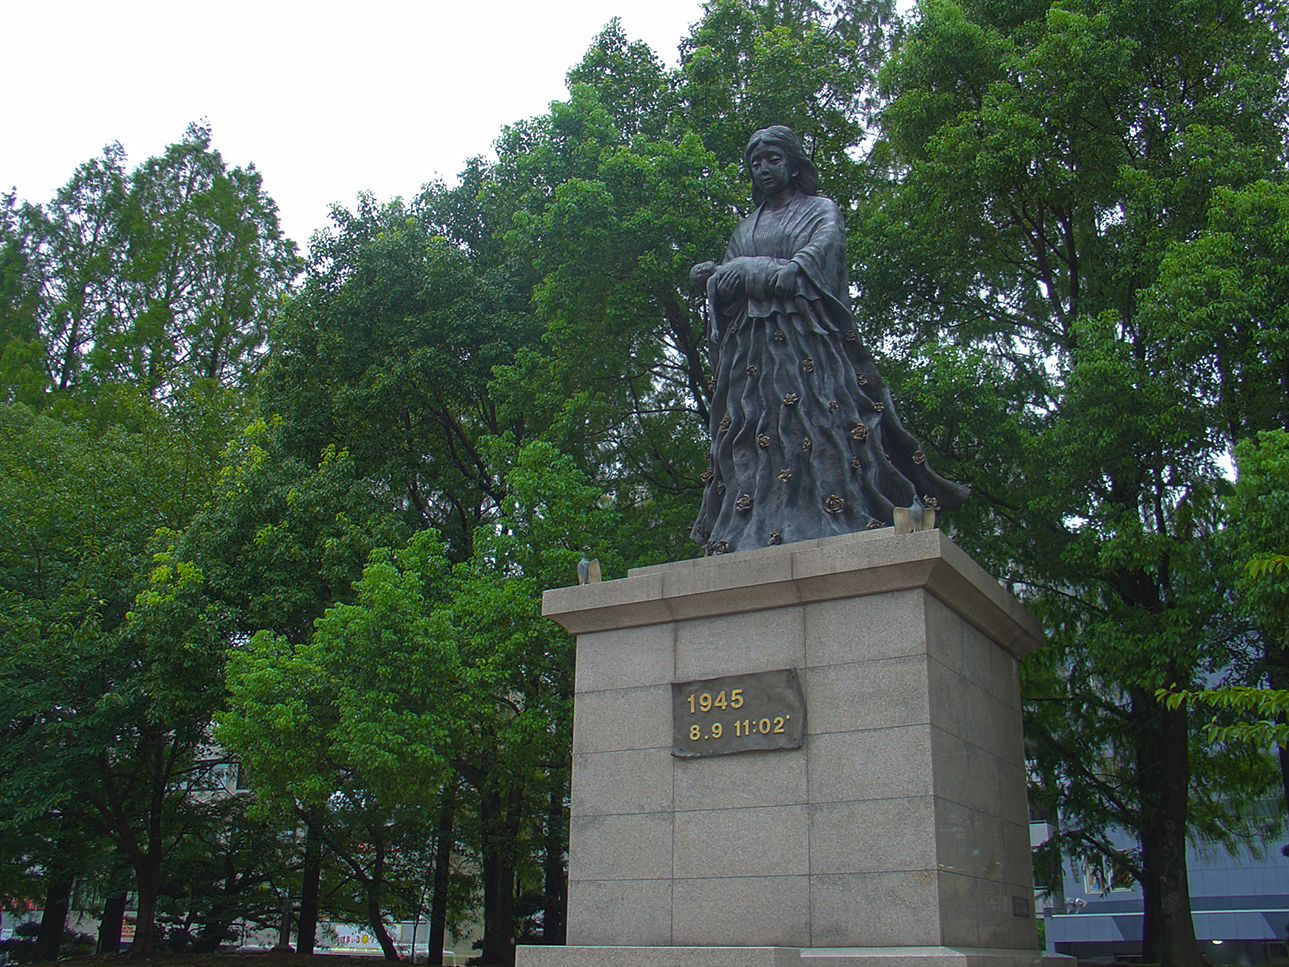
[[442, 867], [109, 928], [1163, 778], [376, 921], [1277, 663], [500, 818], [147, 873], [54, 920], [1283, 719], [556, 887], [307, 927], [375, 915]]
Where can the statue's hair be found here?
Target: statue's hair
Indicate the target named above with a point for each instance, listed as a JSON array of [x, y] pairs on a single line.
[[806, 180]]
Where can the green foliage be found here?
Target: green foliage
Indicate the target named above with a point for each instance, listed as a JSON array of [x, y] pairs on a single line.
[[1060, 178], [808, 65], [360, 708], [1254, 533], [132, 316], [155, 279], [387, 352], [283, 538], [1258, 534], [1220, 300], [1067, 232], [112, 663], [1267, 705], [430, 667]]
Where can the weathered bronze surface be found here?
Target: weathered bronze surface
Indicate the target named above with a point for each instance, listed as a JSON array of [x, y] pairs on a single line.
[[806, 442], [738, 713]]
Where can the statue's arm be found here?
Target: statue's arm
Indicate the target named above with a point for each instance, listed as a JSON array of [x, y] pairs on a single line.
[[820, 250]]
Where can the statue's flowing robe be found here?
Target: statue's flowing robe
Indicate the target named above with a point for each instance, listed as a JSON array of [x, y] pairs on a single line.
[[805, 439]]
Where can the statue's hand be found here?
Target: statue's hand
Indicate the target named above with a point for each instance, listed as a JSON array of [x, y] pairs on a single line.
[[700, 273], [729, 281], [784, 282]]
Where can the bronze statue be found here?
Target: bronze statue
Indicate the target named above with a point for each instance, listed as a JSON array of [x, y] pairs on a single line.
[[805, 439]]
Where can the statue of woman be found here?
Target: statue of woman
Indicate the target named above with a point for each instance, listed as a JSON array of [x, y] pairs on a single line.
[[805, 439]]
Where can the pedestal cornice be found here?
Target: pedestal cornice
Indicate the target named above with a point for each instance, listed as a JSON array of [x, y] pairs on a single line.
[[854, 565]]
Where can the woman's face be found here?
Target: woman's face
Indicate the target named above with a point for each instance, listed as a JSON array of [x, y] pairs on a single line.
[[770, 168]]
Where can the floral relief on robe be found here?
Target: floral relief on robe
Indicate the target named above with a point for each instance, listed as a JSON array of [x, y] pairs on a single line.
[[806, 442]]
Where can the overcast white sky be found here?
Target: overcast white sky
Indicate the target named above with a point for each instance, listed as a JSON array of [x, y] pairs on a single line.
[[326, 98]]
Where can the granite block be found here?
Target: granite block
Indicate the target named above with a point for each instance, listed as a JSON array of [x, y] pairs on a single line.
[[989, 723], [737, 644], [870, 627], [628, 912], [601, 956], [948, 699], [767, 841], [937, 956], [874, 836], [625, 658], [741, 583], [867, 695], [598, 787], [1007, 736], [968, 842], [977, 666], [1013, 803], [890, 763], [978, 726], [978, 913], [944, 631], [904, 810], [623, 718], [1018, 858], [966, 774], [853, 568], [608, 604], [636, 572], [756, 911], [635, 847], [874, 909], [985, 772], [776, 778], [1004, 677]]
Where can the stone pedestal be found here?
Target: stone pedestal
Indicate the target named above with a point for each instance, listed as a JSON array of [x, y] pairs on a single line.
[[896, 835]]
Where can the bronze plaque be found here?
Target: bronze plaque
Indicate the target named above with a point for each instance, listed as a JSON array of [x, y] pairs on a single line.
[[738, 713]]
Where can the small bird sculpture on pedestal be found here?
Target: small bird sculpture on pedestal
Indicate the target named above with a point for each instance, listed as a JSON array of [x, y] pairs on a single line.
[[915, 518], [588, 572]]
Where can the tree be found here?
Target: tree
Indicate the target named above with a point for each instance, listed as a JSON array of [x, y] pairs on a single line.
[[347, 731], [1254, 536], [387, 352], [152, 280], [130, 309], [1065, 149], [1220, 298], [228, 867], [100, 745]]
